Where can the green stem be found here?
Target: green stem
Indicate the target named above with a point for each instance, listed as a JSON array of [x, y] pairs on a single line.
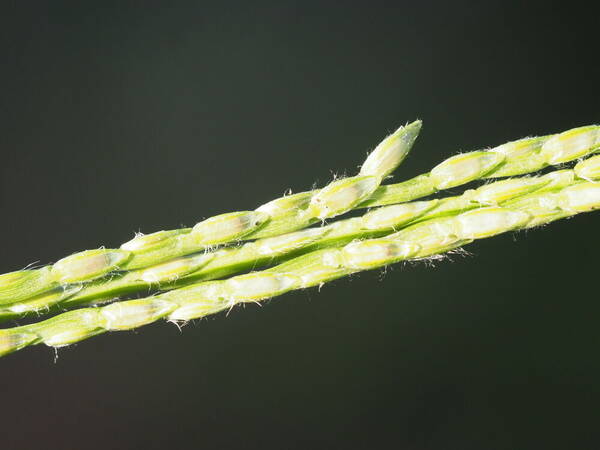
[[420, 240], [34, 291]]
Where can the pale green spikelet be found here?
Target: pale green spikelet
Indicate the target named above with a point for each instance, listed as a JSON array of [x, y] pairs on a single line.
[[520, 157], [588, 169], [581, 197], [154, 248], [572, 144], [70, 327], [12, 340], [258, 286], [281, 207], [486, 222], [433, 236], [23, 284], [134, 313], [461, 169], [41, 302], [341, 196], [501, 191], [316, 267], [197, 301], [390, 217], [373, 253], [228, 227], [280, 245], [150, 241], [543, 208], [390, 153], [89, 264], [559, 179]]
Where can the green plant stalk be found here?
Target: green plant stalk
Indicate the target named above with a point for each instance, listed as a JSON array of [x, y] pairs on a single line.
[[301, 210], [24, 291], [420, 240], [375, 223], [276, 217]]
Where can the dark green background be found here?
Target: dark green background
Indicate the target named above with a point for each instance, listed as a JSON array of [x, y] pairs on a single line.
[[126, 116]]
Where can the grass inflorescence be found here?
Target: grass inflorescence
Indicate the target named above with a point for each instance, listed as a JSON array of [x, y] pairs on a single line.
[[249, 256]]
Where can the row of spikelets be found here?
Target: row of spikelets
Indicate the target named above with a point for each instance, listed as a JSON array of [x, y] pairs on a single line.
[[193, 270]]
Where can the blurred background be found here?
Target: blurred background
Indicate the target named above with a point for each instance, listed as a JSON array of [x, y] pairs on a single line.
[[119, 117]]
